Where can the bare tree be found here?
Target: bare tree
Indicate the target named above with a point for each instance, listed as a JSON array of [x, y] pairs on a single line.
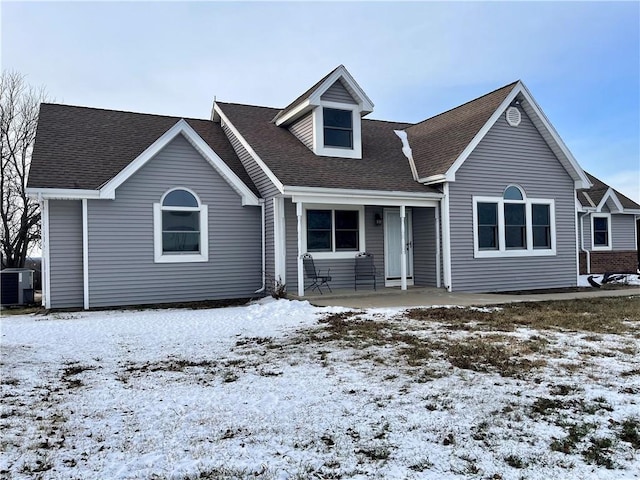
[[19, 105]]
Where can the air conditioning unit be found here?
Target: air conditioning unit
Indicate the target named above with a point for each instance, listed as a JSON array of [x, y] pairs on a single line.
[[17, 286]]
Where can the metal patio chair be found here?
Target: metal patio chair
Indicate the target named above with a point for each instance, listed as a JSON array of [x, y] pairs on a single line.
[[365, 269], [311, 273]]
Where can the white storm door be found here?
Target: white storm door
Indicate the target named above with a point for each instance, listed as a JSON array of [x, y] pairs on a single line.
[[393, 247]]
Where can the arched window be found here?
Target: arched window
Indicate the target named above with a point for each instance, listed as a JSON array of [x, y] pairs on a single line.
[[515, 218], [513, 225], [180, 225]]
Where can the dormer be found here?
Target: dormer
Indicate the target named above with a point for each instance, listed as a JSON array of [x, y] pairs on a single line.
[[327, 117]]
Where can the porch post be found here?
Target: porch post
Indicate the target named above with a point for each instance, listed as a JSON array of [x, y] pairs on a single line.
[[403, 255], [300, 270]]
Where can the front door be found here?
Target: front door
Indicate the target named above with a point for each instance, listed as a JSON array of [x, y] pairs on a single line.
[[393, 247]]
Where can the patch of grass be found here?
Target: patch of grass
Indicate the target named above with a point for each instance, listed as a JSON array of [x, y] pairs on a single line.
[[546, 406], [421, 465], [630, 432], [575, 434], [479, 355], [69, 373], [375, 452], [599, 452], [169, 365], [597, 404], [515, 461], [562, 390], [596, 315], [455, 318]]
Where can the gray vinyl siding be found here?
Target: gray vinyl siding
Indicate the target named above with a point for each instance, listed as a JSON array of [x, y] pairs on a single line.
[[586, 230], [337, 93], [342, 270], [623, 232], [512, 155], [65, 254], [267, 191], [303, 130], [424, 247], [122, 270]]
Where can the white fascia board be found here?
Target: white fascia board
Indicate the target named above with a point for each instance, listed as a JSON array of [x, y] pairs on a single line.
[[263, 166], [610, 194], [406, 149], [360, 197], [64, 194], [580, 178], [582, 209], [481, 133], [294, 114], [364, 102], [433, 179], [181, 127]]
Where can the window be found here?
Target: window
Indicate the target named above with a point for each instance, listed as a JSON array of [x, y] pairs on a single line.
[[488, 226], [338, 128], [334, 231], [513, 225], [541, 225], [601, 232], [180, 228]]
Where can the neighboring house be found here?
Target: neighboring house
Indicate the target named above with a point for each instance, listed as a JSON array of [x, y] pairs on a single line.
[[608, 230], [149, 209]]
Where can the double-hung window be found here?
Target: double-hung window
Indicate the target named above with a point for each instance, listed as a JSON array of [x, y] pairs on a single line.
[[338, 128], [601, 231], [513, 225], [180, 228], [332, 231]]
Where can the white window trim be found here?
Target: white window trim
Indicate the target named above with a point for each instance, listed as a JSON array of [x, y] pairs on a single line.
[[609, 246], [318, 131], [334, 254], [158, 254], [502, 251]]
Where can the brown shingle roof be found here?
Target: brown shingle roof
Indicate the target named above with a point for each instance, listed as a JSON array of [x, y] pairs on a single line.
[[597, 192], [382, 167], [438, 141], [83, 148]]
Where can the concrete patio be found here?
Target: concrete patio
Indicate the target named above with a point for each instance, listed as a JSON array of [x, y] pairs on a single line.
[[428, 296]]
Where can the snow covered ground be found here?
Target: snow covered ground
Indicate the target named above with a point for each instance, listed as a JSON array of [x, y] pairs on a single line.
[[264, 391], [620, 279]]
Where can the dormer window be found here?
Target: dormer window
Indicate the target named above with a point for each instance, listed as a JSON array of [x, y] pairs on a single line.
[[327, 117], [338, 128]]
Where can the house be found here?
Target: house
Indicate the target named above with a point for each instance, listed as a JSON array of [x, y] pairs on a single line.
[[608, 229], [141, 208]]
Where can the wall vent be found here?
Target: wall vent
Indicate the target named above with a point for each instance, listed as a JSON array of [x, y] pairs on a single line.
[[513, 116]]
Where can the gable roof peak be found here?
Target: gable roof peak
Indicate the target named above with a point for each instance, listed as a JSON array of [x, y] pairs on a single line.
[[311, 97]]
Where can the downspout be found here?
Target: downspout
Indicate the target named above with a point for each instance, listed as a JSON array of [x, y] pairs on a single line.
[[438, 247], [264, 249], [44, 267], [446, 237], [587, 252], [85, 253]]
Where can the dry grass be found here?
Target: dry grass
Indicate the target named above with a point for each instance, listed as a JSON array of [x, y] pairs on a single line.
[[596, 315], [478, 349]]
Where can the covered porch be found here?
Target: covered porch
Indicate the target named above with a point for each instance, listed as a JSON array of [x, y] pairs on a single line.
[[402, 233]]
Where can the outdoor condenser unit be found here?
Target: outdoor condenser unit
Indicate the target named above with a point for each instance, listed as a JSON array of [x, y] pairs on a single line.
[[17, 286]]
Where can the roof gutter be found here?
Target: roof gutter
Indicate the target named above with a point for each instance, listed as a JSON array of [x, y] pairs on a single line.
[[66, 194]]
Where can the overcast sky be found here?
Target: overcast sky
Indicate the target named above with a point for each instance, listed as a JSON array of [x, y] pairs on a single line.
[[581, 61]]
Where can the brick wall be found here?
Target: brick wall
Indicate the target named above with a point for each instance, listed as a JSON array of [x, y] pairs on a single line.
[[602, 262]]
